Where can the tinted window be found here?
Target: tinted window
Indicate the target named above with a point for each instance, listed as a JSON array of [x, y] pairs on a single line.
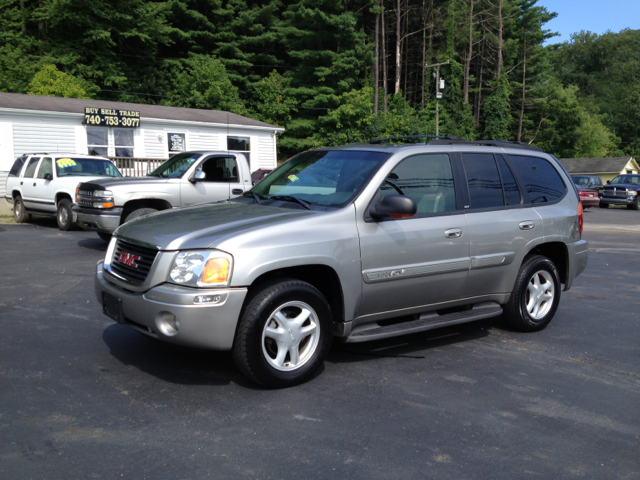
[[539, 178], [17, 165], [219, 169], [427, 179], [509, 185], [483, 179], [31, 167], [45, 167]]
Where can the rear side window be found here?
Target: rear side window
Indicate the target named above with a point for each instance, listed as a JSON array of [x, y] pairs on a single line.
[[485, 188], [539, 178], [31, 167], [17, 166], [509, 185]]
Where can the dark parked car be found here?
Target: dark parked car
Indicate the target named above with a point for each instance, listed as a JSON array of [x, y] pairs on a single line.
[[622, 190], [588, 181], [259, 175]]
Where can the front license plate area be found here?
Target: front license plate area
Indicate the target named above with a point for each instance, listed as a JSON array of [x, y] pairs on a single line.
[[112, 307]]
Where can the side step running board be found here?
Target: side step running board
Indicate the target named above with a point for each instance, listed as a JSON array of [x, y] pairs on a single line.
[[428, 321]]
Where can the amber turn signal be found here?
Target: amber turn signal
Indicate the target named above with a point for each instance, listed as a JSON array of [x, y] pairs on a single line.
[[216, 270]]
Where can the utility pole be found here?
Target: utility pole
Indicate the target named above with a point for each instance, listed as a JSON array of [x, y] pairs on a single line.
[[438, 93]]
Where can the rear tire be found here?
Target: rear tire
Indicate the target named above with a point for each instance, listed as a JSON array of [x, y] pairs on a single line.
[[64, 215], [535, 296], [139, 213], [284, 334], [19, 213]]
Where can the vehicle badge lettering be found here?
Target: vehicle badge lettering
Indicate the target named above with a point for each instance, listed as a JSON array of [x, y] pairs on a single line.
[[128, 259]]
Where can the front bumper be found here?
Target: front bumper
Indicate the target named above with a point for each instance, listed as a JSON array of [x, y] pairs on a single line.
[[95, 220], [154, 312], [617, 200]]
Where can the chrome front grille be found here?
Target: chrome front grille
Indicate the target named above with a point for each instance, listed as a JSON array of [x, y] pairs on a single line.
[[132, 262], [614, 192]]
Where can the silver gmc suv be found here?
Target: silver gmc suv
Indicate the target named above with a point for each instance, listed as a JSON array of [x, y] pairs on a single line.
[[360, 242]]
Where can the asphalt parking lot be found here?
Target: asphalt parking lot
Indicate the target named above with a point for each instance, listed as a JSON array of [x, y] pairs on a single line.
[[82, 397]]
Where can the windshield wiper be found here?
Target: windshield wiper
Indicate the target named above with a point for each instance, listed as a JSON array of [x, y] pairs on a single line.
[[292, 199], [256, 197]]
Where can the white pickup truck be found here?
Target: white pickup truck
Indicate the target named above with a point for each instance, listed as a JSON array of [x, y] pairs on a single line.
[[186, 179], [45, 184]]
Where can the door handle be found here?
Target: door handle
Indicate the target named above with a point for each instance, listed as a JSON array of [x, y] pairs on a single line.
[[237, 191], [34, 184], [528, 225], [453, 233]]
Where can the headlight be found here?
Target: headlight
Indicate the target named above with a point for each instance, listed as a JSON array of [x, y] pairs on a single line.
[[103, 193], [632, 192], [201, 268]]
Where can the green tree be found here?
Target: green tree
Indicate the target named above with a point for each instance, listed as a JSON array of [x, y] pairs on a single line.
[[51, 82], [274, 106]]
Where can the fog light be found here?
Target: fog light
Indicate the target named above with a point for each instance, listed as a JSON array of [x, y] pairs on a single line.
[[206, 299], [167, 323]]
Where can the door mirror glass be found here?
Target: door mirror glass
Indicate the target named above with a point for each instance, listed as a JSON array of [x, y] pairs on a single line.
[[199, 176]]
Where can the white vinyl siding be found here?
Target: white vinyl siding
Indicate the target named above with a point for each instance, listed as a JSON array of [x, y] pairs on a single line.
[[44, 137], [153, 146], [3, 185], [265, 154], [205, 139]]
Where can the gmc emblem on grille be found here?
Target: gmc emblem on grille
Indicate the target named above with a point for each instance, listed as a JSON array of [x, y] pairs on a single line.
[[128, 259]]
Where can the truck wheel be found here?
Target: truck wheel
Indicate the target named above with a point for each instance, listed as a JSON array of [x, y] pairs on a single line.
[[634, 205], [104, 236], [604, 205], [19, 213], [64, 215], [284, 334], [535, 296], [139, 213]]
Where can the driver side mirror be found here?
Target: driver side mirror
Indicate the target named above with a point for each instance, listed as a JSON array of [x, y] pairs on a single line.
[[198, 177], [608, 182], [394, 206], [48, 176]]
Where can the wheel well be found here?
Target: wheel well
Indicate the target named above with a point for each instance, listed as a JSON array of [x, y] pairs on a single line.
[[158, 204], [15, 194], [557, 253], [60, 196], [322, 277]]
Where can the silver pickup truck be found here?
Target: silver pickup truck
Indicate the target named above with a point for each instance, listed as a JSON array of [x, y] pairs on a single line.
[[361, 242], [186, 179]]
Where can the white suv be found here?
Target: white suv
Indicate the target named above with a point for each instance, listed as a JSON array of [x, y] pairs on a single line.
[[45, 184]]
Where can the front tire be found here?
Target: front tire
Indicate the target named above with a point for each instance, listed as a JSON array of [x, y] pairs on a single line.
[[635, 205], [284, 334], [64, 215], [139, 213], [604, 205], [535, 296], [20, 215]]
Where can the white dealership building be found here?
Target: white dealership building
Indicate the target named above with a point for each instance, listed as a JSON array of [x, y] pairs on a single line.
[[32, 123]]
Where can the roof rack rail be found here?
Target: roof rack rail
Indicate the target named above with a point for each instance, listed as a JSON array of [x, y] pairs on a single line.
[[378, 141], [488, 143]]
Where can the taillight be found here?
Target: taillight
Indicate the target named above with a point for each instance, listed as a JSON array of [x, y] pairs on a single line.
[[583, 194], [580, 217]]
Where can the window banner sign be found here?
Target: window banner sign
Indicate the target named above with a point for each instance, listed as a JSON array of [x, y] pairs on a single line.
[[108, 117], [176, 142]]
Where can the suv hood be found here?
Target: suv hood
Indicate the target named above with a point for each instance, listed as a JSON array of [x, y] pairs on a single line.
[[203, 225], [98, 184]]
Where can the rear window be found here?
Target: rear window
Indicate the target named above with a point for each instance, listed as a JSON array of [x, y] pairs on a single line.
[[17, 166], [538, 178]]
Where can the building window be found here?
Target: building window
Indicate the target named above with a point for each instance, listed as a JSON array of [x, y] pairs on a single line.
[[240, 144], [98, 141], [123, 142], [110, 142]]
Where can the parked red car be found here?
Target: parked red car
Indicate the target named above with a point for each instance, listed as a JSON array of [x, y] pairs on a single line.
[[588, 197], [259, 175]]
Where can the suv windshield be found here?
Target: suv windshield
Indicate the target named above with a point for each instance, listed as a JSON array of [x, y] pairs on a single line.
[[176, 166], [327, 178], [629, 179], [85, 167]]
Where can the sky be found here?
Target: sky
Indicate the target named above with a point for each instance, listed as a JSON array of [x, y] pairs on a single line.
[[597, 16]]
